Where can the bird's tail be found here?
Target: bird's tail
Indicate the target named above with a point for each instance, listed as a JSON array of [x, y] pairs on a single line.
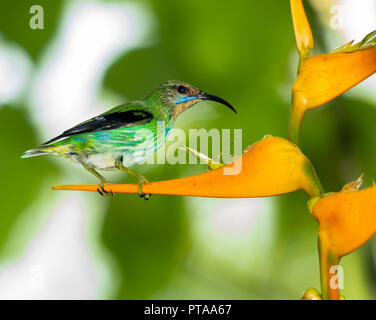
[[35, 152], [46, 149]]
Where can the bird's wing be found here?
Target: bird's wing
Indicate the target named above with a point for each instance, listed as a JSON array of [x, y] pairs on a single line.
[[121, 116]]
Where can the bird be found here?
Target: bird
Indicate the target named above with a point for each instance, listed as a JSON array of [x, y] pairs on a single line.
[[117, 139]]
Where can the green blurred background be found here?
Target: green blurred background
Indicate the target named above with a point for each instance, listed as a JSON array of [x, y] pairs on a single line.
[[92, 55]]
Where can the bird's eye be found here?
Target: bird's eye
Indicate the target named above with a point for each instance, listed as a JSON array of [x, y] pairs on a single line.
[[182, 89]]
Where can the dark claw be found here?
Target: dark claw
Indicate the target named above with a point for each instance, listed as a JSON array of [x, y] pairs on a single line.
[[145, 196], [104, 191]]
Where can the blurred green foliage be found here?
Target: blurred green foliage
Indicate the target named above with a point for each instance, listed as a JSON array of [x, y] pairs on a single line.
[[15, 132], [14, 24], [243, 51]]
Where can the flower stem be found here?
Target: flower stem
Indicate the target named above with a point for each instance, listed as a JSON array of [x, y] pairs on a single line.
[[329, 288], [298, 109]]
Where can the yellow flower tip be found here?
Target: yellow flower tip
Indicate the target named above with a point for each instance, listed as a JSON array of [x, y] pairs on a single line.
[[353, 185], [369, 41], [344, 47], [273, 166], [346, 219], [311, 203], [311, 294], [303, 33], [212, 164]]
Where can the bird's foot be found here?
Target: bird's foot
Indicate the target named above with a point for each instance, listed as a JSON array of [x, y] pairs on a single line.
[[102, 191], [142, 181]]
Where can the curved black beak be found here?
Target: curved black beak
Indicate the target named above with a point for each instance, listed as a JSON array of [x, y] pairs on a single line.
[[206, 96]]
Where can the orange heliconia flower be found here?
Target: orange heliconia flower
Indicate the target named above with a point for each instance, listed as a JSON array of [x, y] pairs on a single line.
[[269, 167], [347, 219], [324, 77]]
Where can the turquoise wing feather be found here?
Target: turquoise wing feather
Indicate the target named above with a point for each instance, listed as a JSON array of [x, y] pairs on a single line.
[[127, 115]]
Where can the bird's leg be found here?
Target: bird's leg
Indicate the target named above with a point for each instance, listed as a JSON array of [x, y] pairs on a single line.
[[141, 179], [103, 183]]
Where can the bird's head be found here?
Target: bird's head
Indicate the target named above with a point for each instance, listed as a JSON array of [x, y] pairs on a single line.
[[179, 96]]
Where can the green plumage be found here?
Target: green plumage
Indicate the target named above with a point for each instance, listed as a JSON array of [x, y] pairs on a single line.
[[126, 134]]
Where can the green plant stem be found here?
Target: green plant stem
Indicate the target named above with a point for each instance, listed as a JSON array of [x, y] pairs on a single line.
[[296, 116], [316, 189], [327, 260]]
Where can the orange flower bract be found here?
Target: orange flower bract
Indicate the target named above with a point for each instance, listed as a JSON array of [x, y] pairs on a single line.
[[347, 219], [303, 33], [270, 167], [324, 77]]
